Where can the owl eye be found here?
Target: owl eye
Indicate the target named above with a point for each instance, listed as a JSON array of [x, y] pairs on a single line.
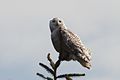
[[60, 21], [53, 21]]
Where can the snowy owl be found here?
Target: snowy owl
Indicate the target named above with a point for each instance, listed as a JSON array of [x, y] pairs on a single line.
[[68, 44]]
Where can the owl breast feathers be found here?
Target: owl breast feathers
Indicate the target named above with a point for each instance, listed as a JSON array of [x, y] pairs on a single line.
[[68, 44]]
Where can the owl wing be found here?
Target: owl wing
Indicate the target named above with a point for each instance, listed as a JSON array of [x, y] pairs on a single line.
[[73, 43]]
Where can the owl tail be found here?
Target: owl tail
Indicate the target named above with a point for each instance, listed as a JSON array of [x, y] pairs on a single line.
[[84, 63]]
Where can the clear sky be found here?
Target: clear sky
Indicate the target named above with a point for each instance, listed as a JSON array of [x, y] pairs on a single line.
[[25, 37]]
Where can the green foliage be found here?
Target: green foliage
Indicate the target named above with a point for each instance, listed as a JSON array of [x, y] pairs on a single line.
[[53, 71], [70, 75], [47, 68], [42, 76]]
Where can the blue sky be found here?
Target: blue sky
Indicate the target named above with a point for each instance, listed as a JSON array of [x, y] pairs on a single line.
[[25, 36]]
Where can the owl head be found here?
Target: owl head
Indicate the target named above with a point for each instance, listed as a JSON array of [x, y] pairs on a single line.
[[55, 23]]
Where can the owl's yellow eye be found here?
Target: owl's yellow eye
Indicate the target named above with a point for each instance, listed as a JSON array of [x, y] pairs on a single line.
[[60, 21], [53, 21]]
